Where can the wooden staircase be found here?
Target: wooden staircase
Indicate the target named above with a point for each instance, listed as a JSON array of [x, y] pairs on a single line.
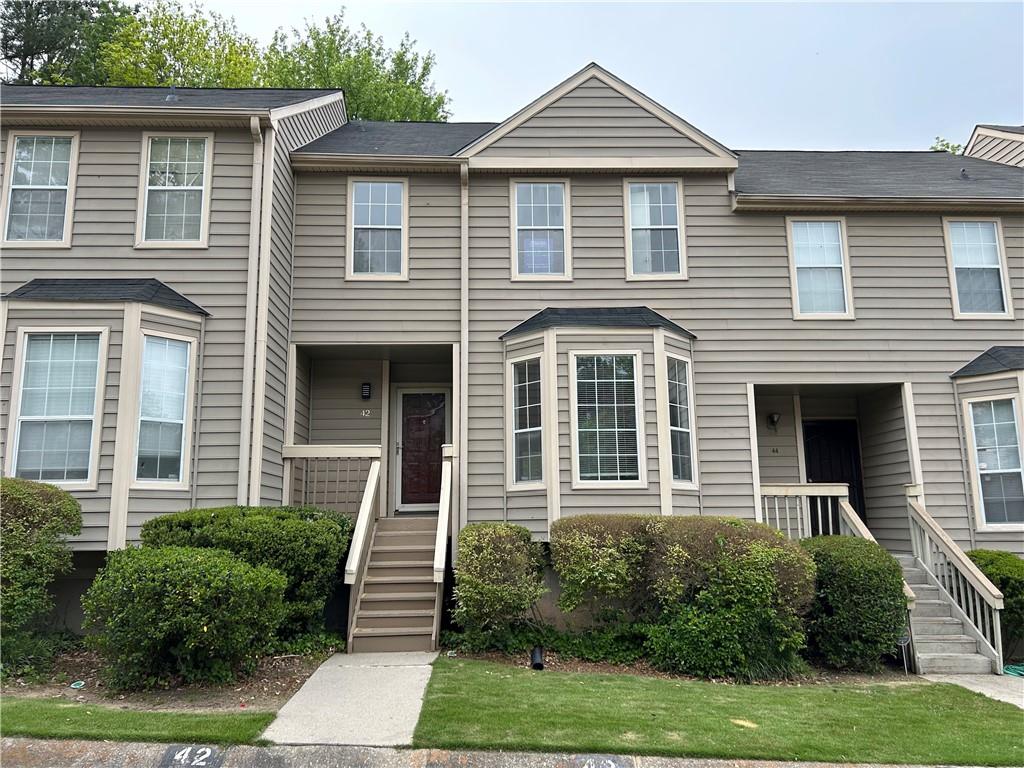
[[398, 604]]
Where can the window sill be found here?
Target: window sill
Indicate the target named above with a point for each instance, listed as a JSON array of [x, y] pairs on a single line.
[[542, 278], [824, 316], [32, 244], [152, 245], [982, 316], [656, 278], [157, 485], [72, 486], [608, 485], [1000, 528], [677, 486], [377, 278], [524, 487]]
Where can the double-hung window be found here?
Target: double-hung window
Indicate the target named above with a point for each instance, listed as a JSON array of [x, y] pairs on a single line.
[[819, 269], [977, 269], [541, 233], [997, 461], [655, 238], [680, 419], [41, 180], [378, 237], [57, 407], [527, 438], [163, 404], [607, 418], [176, 192]]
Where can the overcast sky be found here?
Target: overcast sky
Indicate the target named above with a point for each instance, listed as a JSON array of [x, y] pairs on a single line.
[[753, 75]]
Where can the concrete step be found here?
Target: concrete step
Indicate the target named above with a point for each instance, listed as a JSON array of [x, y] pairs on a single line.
[[925, 591], [396, 619], [930, 626], [418, 523], [383, 640], [914, 576], [422, 552], [945, 644], [403, 568], [392, 583], [929, 608], [953, 664], [404, 538], [398, 601], [907, 561]]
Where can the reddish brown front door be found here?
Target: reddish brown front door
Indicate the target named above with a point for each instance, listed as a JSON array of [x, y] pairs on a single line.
[[422, 428]]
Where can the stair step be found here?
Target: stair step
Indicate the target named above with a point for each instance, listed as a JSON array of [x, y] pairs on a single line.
[[424, 563], [419, 523], [925, 591], [404, 538], [914, 576], [424, 585], [953, 663], [930, 608], [930, 626], [389, 641], [400, 568], [945, 644], [391, 619]]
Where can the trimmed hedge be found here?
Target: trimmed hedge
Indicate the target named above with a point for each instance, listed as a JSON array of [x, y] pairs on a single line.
[[498, 578], [35, 518], [1006, 571], [181, 615], [859, 611], [306, 544]]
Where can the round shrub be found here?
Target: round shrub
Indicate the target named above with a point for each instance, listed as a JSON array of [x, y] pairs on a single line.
[[859, 611], [306, 544], [498, 578], [1006, 571], [181, 615], [35, 519]]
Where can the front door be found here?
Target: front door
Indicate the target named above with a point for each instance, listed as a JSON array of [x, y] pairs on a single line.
[[832, 455], [422, 428]]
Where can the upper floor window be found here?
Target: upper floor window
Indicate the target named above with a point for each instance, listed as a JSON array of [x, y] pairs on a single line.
[[997, 461], [819, 270], [527, 447], [977, 269], [541, 232], [163, 410], [680, 416], [57, 408], [41, 180], [655, 239], [378, 237], [175, 204]]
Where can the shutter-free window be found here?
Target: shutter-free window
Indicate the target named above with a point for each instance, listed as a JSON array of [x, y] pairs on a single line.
[[679, 420], [997, 459], [977, 267], [820, 265], [526, 421], [540, 228], [175, 185], [377, 220], [57, 406], [606, 417], [162, 409], [654, 228], [37, 207]]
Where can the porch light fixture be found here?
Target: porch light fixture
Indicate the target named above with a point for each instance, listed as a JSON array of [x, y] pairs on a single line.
[[773, 421], [364, 390]]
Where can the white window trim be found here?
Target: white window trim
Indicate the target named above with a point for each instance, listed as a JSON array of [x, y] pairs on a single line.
[[566, 228], [183, 483], [694, 484], [143, 203], [972, 458], [14, 418], [69, 204], [510, 464], [350, 241], [1004, 272], [794, 287], [641, 439], [682, 274]]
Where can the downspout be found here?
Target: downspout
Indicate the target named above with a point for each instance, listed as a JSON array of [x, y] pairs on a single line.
[[463, 353], [249, 336]]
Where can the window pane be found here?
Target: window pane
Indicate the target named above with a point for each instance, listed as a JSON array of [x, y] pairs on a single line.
[[159, 451], [36, 214], [821, 289], [541, 251], [606, 417], [54, 450], [998, 460], [654, 221], [526, 409], [679, 420], [655, 251], [974, 243], [979, 289], [174, 202], [540, 222], [377, 227], [162, 408], [817, 244]]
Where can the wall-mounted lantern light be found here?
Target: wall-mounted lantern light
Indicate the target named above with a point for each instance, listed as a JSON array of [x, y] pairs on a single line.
[[773, 421]]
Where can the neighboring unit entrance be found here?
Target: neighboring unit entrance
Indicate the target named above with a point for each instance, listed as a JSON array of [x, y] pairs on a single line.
[[422, 426], [832, 455]]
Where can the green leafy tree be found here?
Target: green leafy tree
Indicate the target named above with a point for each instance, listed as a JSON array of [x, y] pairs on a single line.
[[380, 83], [56, 42], [944, 145]]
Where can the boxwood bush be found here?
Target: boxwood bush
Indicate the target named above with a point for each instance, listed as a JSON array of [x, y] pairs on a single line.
[[181, 615], [35, 518], [307, 545], [498, 578], [859, 609], [1006, 571]]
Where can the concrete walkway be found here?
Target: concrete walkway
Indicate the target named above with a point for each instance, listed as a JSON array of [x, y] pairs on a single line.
[[371, 699], [1000, 687]]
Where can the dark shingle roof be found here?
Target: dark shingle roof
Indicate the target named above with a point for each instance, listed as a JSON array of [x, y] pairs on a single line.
[[147, 290], [874, 174], [1007, 128], [369, 137], [602, 317], [993, 360], [198, 98]]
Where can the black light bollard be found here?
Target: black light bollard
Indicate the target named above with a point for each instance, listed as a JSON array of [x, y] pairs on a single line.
[[537, 657]]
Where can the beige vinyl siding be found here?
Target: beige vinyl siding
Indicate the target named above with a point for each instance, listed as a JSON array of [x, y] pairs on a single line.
[[1008, 386], [594, 120], [290, 132], [103, 239], [777, 449], [95, 504], [336, 406], [885, 464], [303, 382], [999, 150], [327, 308], [528, 508]]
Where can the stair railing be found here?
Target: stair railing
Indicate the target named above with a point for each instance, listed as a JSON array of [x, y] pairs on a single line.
[[444, 513], [802, 510], [363, 525], [973, 598]]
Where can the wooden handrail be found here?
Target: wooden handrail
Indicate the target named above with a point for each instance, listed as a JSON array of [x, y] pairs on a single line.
[[444, 510], [806, 489], [290, 451], [989, 592], [360, 534]]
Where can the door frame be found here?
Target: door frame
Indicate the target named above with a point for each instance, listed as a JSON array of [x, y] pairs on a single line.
[[395, 481]]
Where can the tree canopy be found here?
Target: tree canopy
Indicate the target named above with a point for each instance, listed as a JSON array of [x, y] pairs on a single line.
[[944, 145], [107, 42]]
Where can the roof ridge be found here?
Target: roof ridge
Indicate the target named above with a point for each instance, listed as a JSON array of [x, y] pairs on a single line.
[[166, 87]]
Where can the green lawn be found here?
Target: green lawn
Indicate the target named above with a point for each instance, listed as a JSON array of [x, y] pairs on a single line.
[[483, 705], [55, 719]]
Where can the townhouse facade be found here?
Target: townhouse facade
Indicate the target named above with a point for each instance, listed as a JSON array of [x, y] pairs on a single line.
[[218, 297]]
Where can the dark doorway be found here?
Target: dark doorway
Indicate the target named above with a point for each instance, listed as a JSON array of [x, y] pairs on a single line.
[[423, 426], [832, 455]]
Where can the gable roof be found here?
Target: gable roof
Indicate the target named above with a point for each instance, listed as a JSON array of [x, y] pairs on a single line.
[[374, 137], [86, 96], [1019, 129], [599, 317], [145, 290], [993, 360]]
